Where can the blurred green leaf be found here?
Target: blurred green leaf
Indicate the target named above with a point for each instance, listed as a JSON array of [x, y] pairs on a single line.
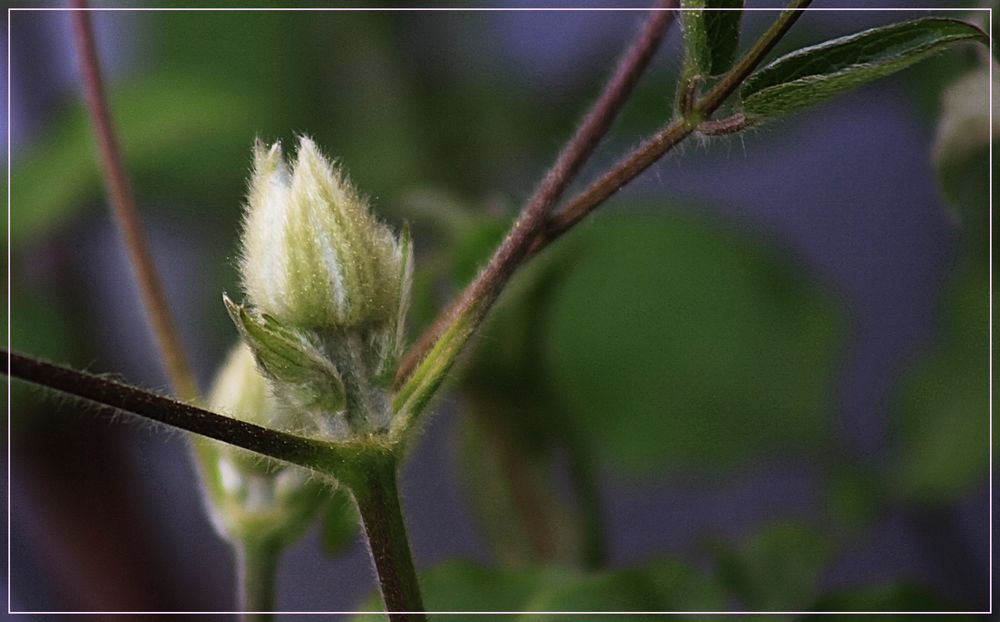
[[341, 522], [623, 590], [943, 413], [676, 341], [810, 75], [711, 38], [512, 489], [474, 248], [943, 410], [464, 586], [659, 586], [163, 124], [684, 588], [467, 586], [777, 568], [893, 597], [517, 436], [856, 497]]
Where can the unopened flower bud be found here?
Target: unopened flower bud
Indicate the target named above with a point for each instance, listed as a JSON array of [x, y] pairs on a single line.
[[327, 287], [313, 253], [250, 497]]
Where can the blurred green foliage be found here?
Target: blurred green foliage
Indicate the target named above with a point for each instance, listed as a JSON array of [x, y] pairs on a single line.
[[679, 342], [777, 569], [654, 340], [661, 586]]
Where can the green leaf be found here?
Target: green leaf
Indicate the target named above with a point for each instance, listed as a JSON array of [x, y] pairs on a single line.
[[512, 487], [464, 586], [341, 522], [711, 37], [662, 585], [623, 590], [288, 357], [943, 413], [778, 568], [677, 342], [890, 597], [856, 497], [467, 586], [810, 75], [169, 128]]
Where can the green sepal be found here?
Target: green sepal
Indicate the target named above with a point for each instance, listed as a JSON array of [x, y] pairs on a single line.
[[297, 367]]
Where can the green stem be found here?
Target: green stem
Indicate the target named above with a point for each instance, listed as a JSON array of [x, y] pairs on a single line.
[[257, 564], [378, 503]]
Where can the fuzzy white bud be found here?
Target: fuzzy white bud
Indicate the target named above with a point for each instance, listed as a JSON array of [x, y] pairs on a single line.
[[313, 253], [327, 287], [250, 497]]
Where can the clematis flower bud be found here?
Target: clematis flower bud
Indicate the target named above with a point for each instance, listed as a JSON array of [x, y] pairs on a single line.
[[327, 289], [313, 253], [251, 498]]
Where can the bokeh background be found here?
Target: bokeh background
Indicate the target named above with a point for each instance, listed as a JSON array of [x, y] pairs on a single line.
[[756, 379]]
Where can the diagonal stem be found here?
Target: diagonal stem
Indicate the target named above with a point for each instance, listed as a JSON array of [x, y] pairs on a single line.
[[425, 365], [113, 397], [652, 150], [480, 294], [126, 215]]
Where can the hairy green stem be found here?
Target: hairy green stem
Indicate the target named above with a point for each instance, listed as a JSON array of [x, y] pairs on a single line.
[[378, 502], [257, 565]]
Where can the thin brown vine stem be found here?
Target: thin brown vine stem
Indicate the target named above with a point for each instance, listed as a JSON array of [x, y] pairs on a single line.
[[652, 150], [112, 398], [486, 287], [126, 215]]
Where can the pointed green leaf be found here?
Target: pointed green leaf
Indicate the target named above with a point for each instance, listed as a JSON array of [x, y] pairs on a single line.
[[711, 37], [810, 75]]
